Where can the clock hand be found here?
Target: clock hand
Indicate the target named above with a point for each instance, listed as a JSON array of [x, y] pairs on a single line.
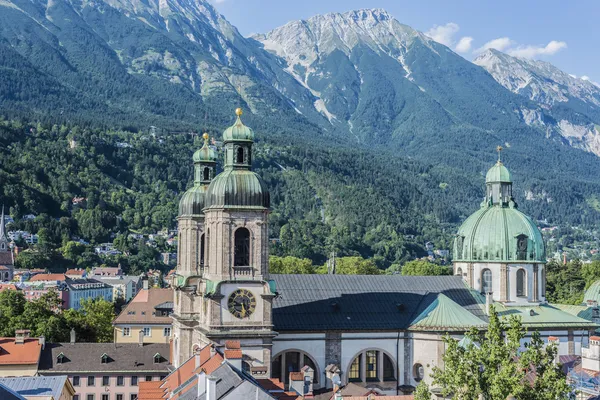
[[243, 310]]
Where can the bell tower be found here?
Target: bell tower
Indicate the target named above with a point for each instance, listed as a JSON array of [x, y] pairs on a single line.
[[236, 291], [190, 253]]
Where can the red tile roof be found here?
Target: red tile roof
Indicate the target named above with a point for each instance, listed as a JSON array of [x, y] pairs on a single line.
[[150, 390], [78, 272], [296, 376], [48, 277], [271, 384], [19, 354], [233, 344], [233, 354], [594, 337], [141, 308], [7, 286]]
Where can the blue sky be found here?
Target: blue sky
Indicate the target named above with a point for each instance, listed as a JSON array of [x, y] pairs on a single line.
[[566, 33]]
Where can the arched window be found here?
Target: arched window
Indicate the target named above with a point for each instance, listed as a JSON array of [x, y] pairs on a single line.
[[202, 250], [292, 361], [241, 256], [459, 271], [239, 157], [522, 247], [486, 281], [418, 372], [378, 366], [521, 282], [206, 173]]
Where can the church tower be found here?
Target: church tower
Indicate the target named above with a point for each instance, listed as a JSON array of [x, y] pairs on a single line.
[[228, 296], [190, 252], [499, 250], [7, 267]]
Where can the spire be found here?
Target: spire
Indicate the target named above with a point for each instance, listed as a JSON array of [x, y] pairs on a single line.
[[2, 225], [3, 238], [205, 160], [499, 150]]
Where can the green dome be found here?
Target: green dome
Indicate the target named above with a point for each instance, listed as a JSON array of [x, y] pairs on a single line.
[[593, 293], [205, 154], [192, 201], [498, 173], [238, 131], [494, 233], [237, 188]]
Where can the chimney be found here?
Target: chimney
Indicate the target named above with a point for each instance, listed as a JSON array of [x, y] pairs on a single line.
[[213, 351], [42, 341], [21, 335], [141, 341], [553, 340], [309, 375], [201, 384], [488, 302], [197, 360], [233, 353], [211, 387], [72, 335]]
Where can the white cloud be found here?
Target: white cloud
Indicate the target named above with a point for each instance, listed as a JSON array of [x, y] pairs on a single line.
[[444, 34], [533, 51], [500, 44], [464, 44]]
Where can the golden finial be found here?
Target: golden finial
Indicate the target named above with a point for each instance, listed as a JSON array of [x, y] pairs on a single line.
[[205, 137], [238, 111], [499, 150]]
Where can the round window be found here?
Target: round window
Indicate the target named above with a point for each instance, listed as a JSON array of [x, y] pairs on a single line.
[[418, 372]]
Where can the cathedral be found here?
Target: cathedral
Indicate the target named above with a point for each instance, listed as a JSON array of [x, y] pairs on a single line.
[[382, 332], [7, 260]]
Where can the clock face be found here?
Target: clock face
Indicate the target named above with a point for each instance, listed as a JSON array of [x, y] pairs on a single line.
[[241, 303]]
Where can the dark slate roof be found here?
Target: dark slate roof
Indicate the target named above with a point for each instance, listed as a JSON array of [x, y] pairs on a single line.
[[6, 258], [362, 302], [87, 357], [167, 305]]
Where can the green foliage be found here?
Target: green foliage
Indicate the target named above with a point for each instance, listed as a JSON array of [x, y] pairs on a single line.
[[565, 283], [425, 268], [352, 266], [290, 265], [491, 365], [92, 323]]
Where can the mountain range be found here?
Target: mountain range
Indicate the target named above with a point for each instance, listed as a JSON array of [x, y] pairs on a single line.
[[358, 81]]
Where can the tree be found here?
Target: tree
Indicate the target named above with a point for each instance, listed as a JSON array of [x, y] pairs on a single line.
[[492, 366], [352, 266], [93, 321], [290, 265], [425, 268]]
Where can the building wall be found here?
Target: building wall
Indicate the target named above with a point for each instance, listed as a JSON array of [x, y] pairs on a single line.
[[9, 370], [156, 333], [82, 390], [76, 296]]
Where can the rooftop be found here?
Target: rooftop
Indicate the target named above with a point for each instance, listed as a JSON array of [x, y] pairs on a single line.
[[38, 386], [12, 353], [48, 277], [88, 357], [141, 309]]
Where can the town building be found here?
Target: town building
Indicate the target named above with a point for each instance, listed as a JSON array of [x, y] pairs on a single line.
[[105, 371], [148, 314], [19, 356], [125, 287], [39, 388], [107, 271], [76, 273], [86, 289], [7, 260], [209, 375], [378, 332], [33, 291]]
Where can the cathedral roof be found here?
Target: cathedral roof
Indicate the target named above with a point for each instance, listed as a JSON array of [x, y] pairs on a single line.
[[192, 201], [492, 233], [592, 293], [396, 302], [238, 188], [498, 173]]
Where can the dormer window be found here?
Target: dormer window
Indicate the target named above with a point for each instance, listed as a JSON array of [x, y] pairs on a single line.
[[157, 358], [60, 358], [104, 358]]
